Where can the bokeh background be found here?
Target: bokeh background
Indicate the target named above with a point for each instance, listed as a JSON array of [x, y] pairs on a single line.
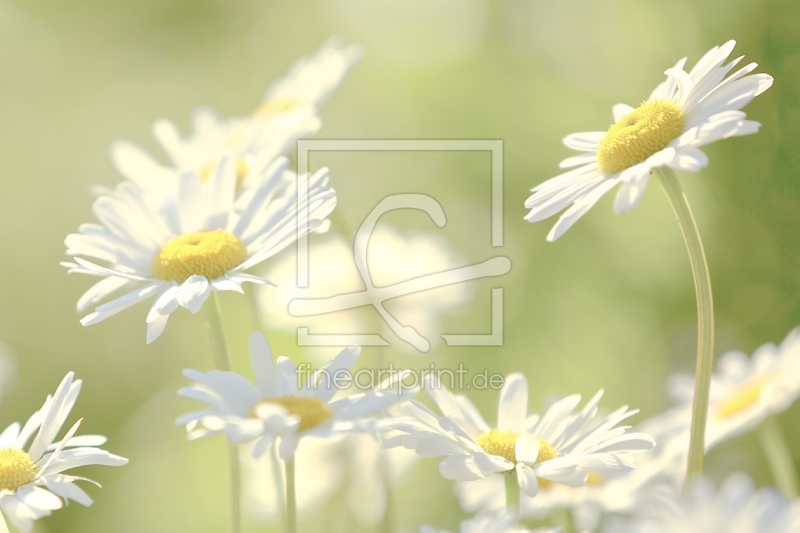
[[610, 305]]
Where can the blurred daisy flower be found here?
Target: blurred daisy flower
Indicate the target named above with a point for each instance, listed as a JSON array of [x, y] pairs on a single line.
[[685, 112], [736, 506], [32, 479], [493, 522], [561, 446], [312, 79], [392, 257], [332, 469], [191, 242], [281, 408], [289, 111], [745, 390]]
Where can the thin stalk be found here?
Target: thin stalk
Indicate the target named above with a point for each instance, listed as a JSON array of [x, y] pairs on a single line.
[[705, 319], [291, 501], [512, 493], [784, 472], [222, 361], [278, 487]]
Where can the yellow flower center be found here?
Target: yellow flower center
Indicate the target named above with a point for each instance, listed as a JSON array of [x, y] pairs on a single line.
[[275, 106], [641, 133], [205, 253], [312, 412], [16, 469], [746, 395], [503, 444]]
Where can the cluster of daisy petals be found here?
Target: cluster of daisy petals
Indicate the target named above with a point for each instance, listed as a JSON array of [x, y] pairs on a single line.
[[226, 200]]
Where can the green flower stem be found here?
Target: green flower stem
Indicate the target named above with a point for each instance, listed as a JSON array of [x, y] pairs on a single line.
[[705, 318], [784, 473], [291, 502], [277, 479], [222, 362], [512, 493]]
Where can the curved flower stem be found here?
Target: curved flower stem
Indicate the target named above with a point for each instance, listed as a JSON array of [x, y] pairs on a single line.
[[291, 501], [512, 493], [779, 457], [705, 318], [222, 362]]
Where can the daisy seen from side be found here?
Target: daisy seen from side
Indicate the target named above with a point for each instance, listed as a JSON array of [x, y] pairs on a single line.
[[685, 112], [289, 111], [745, 391]]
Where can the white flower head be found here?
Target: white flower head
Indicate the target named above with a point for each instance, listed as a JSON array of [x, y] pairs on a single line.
[[736, 506], [331, 469], [561, 446], [190, 241], [745, 390], [279, 407], [392, 257], [32, 479], [312, 79], [253, 143], [288, 112], [499, 521], [618, 492], [685, 112]]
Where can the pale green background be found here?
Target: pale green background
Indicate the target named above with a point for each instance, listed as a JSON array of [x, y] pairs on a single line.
[[610, 305]]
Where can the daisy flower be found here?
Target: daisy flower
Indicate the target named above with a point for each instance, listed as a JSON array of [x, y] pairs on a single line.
[[311, 80], [561, 446], [687, 111], [392, 257], [735, 506], [494, 522], [190, 242], [289, 111], [745, 390], [279, 408], [618, 493], [331, 469], [32, 479]]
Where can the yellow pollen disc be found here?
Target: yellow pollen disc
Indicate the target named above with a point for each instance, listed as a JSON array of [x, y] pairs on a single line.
[[312, 412], [275, 106], [16, 469], [503, 444], [745, 396], [641, 133], [205, 253]]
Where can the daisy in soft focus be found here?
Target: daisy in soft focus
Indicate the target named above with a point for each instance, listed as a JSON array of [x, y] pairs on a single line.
[[288, 112], [32, 479], [745, 390], [392, 257], [685, 112], [561, 446], [494, 522], [338, 469], [190, 242], [282, 407], [735, 507]]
